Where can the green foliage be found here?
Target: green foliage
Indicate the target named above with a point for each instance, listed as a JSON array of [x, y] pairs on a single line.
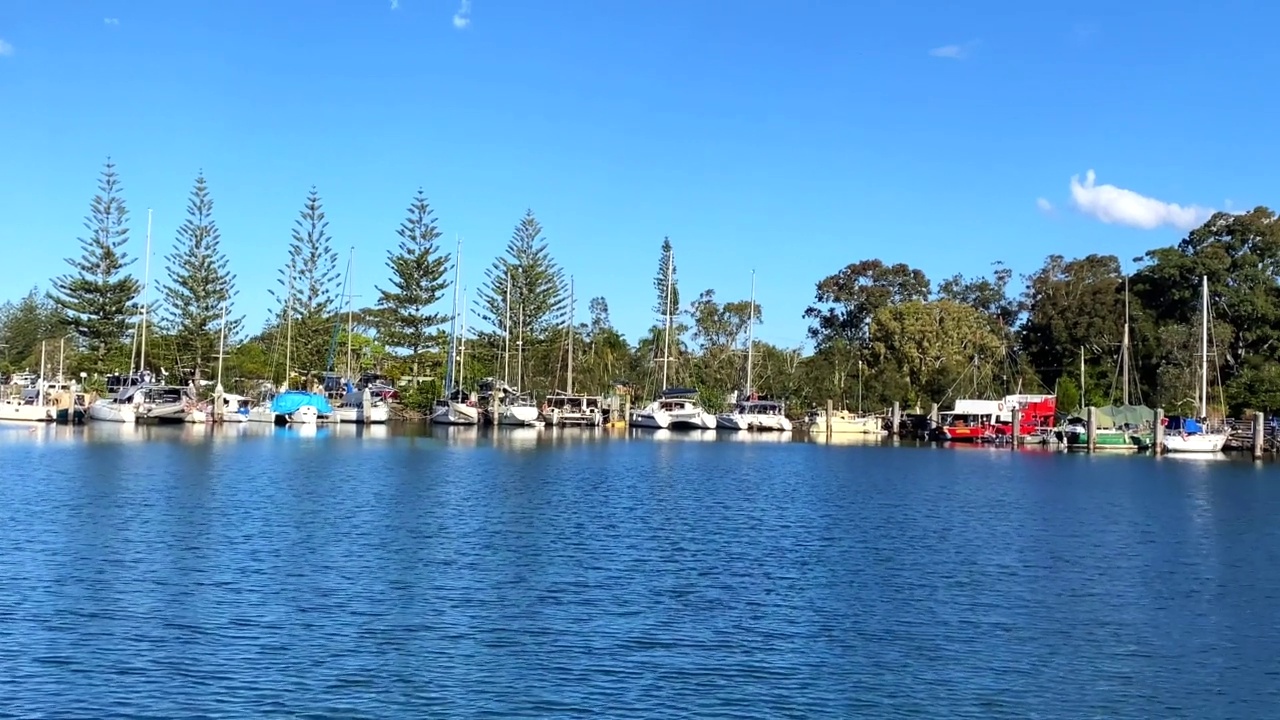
[[200, 287], [1068, 395], [23, 326], [419, 278], [934, 345], [846, 301], [307, 294], [668, 291], [97, 300], [538, 293], [1072, 304]]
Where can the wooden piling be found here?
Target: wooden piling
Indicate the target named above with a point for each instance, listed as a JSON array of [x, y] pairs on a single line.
[[830, 412], [933, 413], [1091, 428], [1259, 435], [895, 418], [218, 403], [1158, 435], [1013, 431], [366, 404]]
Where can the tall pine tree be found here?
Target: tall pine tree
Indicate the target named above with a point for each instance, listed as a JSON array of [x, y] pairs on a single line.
[[539, 293], [97, 300], [419, 277], [199, 285], [661, 309], [307, 294]]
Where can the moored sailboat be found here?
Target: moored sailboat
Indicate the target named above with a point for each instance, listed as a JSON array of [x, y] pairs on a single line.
[[457, 407], [1193, 437], [754, 413]]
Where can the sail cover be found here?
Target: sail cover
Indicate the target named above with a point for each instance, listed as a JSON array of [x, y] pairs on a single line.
[[289, 402]]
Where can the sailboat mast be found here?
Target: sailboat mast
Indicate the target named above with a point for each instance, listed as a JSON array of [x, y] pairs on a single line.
[[288, 329], [1204, 347], [222, 341], [146, 295], [666, 342], [453, 322], [1124, 350], [751, 326], [506, 334], [462, 338], [1081, 376], [40, 386], [569, 381], [520, 349], [350, 297]]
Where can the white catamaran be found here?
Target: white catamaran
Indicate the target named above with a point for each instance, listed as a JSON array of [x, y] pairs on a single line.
[[675, 408]]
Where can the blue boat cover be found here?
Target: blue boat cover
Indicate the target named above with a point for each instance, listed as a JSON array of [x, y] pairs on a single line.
[[1191, 426], [290, 400]]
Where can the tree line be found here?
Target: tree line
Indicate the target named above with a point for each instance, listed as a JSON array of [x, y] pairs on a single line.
[[879, 333]]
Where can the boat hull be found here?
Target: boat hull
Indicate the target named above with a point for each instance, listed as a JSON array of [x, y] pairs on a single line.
[[753, 421], [456, 414], [695, 420], [520, 416], [654, 420], [1195, 443], [107, 411], [378, 414], [28, 413], [870, 425], [1108, 441]]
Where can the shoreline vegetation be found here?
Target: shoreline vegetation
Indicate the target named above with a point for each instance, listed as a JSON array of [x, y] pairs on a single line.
[[878, 333]]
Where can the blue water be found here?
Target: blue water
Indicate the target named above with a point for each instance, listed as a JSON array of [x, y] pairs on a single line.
[[165, 573]]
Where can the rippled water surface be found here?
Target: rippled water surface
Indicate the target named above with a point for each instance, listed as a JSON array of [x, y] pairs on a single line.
[[177, 572]]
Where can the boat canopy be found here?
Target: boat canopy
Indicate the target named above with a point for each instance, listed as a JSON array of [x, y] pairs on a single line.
[[678, 392], [289, 401], [1114, 416]]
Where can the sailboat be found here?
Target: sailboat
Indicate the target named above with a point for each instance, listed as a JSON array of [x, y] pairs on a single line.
[[456, 407], [675, 408], [754, 413], [234, 409], [291, 407], [565, 408], [355, 402], [34, 408], [507, 405], [1193, 437], [123, 397], [845, 422]]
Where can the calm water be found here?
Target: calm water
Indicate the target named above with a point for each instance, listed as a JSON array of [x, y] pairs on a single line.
[[173, 572]]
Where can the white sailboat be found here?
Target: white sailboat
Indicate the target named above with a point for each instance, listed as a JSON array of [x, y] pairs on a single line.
[[675, 408], [121, 404], [231, 404], [355, 403], [22, 408], [1193, 438], [456, 407], [845, 422], [514, 408], [291, 407], [754, 413]]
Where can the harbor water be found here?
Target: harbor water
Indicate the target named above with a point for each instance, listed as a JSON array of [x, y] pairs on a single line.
[[389, 572]]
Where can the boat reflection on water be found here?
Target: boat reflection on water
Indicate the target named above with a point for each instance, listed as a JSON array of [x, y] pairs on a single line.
[[751, 436], [372, 431], [843, 438], [515, 437], [675, 435]]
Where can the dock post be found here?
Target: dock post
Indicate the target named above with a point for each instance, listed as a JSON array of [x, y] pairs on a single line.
[[1259, 438], [830, 410], [1157, 436], [217, 404], [1013, 431], [1091, 427], [894, 419], [366, 404]]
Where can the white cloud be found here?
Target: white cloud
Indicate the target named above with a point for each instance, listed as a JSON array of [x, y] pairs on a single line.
[[5, 49], [1119, 206], [462, 18], [1044, 205], [110, 21], [395, 4], [954, 52]]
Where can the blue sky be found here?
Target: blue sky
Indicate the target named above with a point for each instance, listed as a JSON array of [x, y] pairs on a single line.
[[792, 138]]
